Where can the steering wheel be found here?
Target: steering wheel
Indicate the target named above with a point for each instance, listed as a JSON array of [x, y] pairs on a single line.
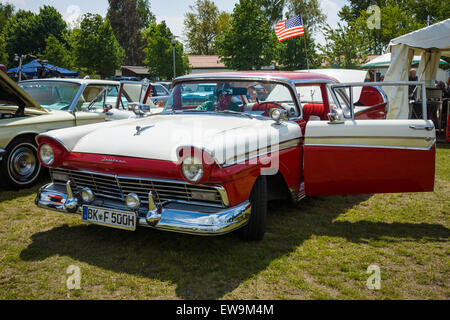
[[268, 107]]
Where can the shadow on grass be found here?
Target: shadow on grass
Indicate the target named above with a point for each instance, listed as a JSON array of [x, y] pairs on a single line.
[[9, 193], [443, 145], [209, 268]]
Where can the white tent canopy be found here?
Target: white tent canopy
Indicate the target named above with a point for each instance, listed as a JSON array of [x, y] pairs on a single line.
[[384, 61], [431, 43]]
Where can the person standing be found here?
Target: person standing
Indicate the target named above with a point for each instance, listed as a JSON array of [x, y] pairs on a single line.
[[412, 77]]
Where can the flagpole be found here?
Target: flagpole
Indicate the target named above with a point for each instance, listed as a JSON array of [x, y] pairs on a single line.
[[306, 47]]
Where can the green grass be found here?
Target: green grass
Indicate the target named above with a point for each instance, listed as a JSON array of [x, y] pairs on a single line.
[[319, 251]]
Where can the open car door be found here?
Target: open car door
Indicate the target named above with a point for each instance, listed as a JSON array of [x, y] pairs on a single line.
[[347, 156]]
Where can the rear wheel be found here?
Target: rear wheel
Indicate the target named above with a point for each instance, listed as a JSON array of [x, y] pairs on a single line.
[[20, 166], [256, 227]]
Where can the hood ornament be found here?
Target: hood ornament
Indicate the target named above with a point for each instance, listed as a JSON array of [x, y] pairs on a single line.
[[140, 129]]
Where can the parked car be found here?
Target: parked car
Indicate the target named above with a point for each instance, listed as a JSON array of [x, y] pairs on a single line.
[[166, 84], [133, 101], [159, 94], [210, 169], [37, 106]]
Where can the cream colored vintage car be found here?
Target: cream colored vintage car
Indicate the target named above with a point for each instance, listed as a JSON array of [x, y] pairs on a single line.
[[38, 106]]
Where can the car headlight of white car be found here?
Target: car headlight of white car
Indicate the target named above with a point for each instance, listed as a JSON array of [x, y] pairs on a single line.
[[192, 168]]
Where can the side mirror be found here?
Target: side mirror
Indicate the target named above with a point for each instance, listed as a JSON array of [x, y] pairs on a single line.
[[336, 116], [140, 109]]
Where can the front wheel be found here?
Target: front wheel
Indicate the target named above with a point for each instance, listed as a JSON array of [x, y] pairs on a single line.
[[256, 227], [20, 166]]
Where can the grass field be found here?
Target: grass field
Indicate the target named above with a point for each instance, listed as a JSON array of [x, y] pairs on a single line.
[[319, 251]]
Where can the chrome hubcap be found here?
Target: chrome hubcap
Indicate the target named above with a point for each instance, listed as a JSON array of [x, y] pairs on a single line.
[[23, 163]]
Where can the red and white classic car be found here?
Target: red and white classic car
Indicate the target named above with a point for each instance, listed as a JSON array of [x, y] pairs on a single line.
[[210, 168]]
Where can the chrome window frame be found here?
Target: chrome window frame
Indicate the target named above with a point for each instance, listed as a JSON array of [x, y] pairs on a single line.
[[378, 85], [291, 84]]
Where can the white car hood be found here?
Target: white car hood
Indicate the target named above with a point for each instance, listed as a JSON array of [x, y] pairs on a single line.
[[225, 137]]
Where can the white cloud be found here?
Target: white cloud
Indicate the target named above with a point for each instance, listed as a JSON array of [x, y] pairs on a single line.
[[19, 4], [72, 15]]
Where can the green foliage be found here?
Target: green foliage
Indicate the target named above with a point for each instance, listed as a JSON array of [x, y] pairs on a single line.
[[25, 32], [294, 56], [128, 19], [203, 25], [397, 18], [3, 55], [250, 42], [58, 54], [6, 12], [312, 14], [345, 46], [159, 52], [95, 46]]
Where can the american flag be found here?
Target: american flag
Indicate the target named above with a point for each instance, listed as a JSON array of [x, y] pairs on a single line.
[[291, 28]]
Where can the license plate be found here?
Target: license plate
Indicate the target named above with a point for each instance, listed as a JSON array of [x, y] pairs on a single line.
[[110, 218]]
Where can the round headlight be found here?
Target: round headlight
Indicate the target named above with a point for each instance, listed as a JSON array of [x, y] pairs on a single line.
[[46, 154], [132, 201], [192, 169]]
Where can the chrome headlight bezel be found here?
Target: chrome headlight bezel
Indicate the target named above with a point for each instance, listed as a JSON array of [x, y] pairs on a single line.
[[192, 169], [46, 154]]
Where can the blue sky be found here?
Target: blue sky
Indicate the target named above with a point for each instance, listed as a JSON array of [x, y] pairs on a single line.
[[172, 11]]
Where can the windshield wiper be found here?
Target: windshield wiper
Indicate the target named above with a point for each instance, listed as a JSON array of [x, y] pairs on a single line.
[[237, 113]]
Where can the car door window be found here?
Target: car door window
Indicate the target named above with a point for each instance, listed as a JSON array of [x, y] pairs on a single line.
[[95, 97]]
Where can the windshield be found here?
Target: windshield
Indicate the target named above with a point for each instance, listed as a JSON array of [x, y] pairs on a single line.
[[246, 97], [52, 95]]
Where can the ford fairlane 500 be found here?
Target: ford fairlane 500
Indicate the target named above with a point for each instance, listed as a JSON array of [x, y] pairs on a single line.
[[211, 168]]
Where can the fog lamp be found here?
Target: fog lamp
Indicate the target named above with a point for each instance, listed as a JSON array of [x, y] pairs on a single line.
[[87, 195], [132, 201]]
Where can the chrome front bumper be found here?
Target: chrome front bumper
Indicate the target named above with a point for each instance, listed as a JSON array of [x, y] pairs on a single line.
[[170, 216]]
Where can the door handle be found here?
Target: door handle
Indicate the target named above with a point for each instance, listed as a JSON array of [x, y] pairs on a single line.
[[422, 127]]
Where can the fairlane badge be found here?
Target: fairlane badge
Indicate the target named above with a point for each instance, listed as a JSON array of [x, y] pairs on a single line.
[[113, 160]]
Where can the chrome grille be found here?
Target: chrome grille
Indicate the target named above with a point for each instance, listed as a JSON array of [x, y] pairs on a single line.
[[115, 187]]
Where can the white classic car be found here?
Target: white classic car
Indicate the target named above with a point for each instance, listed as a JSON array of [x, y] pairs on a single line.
[[210, 169]]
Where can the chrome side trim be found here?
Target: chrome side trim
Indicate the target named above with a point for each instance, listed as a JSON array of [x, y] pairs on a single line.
[[262, 152], [372, 146]]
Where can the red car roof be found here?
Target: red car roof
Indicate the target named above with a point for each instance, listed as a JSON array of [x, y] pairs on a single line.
[[291, 75]]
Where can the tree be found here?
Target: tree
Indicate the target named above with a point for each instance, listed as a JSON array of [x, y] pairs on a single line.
[[25, 32], [293, 55], [273, 10], [95, 46], [250, 42], [6, 12], [312, 14], [345, 46], [396, 17], [57, 53], [3, 55], [128, 19], [203, 25], [159, 52]]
